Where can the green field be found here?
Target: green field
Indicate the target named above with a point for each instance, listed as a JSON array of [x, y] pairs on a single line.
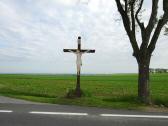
[[109, 91]]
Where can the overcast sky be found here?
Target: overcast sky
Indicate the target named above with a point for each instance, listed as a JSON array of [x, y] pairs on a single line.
[[33, 34]]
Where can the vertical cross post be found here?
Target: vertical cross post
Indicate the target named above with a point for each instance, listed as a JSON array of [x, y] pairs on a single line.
[[78, 90]]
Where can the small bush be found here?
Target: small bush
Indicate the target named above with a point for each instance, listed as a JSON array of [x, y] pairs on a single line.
[[72, 93]]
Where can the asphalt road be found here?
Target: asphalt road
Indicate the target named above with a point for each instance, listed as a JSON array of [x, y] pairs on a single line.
[[30, 114]]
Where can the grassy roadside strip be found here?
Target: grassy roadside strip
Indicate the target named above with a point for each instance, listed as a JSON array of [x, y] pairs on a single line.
[[110, 91]]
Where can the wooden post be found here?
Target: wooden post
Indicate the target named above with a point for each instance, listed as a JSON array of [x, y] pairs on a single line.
[[78, 90], [79, 43]]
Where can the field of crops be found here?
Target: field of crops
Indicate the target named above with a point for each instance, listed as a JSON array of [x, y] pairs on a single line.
[[113, 91]]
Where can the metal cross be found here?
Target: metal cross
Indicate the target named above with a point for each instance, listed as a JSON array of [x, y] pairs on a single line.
[[79, 53]]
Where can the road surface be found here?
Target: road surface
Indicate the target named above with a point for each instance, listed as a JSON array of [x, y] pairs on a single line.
[[18, 113]]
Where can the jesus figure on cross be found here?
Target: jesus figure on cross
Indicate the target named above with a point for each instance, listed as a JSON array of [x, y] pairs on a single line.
[[79, 53], [78, 61]]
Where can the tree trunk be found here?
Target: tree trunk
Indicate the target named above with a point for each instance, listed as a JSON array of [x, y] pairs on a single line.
[[143, 82]]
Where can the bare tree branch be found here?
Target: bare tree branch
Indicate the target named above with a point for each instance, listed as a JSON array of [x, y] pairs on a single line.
[[147, 32], [143, 46], [156, 34], [126, 22], [153, 18], [141, 25], [165, 6], [126, 7], [125, 17], [132, 17]]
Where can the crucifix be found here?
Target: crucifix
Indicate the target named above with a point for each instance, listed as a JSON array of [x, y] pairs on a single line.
[[79, 53]]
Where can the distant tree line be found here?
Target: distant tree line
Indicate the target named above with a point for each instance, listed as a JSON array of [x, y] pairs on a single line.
[[158, 70]]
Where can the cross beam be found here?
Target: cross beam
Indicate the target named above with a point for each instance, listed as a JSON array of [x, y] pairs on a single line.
[[79, 53], [82, 50]]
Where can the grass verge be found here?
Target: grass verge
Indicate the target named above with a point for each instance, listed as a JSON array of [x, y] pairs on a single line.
[[117, 91]]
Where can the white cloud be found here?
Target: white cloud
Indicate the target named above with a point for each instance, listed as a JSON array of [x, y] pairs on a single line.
[[33, 34]]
